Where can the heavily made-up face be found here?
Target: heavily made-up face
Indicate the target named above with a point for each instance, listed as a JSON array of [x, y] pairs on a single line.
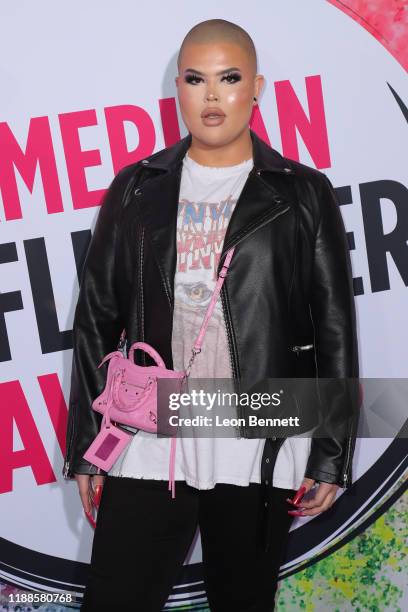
[[216, 78]]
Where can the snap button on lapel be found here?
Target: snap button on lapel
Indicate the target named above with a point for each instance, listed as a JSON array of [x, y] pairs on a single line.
[[258, 172], [138, 191], [145, 161], [287, 170]]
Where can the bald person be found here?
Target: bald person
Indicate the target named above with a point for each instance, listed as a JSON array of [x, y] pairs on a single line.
[[143, 534]]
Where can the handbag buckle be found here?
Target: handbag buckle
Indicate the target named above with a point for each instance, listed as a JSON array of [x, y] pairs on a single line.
[[194, 352]]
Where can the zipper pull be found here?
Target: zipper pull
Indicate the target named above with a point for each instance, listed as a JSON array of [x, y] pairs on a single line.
[[66, 469], [122, 345], [298, 348]]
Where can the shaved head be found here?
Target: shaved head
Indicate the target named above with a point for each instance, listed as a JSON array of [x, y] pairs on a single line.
[[217, 71], [216, 31]]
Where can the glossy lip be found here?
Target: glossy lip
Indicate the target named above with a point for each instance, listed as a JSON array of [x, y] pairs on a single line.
[[213, 121], [212, 110]]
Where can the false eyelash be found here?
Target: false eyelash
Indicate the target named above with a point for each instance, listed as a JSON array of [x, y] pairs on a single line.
[[193, 77], [236, 76]]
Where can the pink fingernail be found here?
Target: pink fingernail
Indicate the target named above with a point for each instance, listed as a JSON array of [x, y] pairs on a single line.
[[295, 513]]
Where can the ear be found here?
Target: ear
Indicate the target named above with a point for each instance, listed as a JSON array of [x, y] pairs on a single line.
[[259, 84]]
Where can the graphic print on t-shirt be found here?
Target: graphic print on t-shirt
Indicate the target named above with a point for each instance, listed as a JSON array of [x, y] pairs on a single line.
[[201, 228]]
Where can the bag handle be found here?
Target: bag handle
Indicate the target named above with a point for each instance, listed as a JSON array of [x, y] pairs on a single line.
[[200, 338], [149, 350]]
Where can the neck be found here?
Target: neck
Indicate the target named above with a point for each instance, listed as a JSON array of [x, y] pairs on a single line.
[[230, 154]]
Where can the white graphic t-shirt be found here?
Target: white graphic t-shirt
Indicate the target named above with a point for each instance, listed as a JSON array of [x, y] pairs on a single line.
[[207, 198]]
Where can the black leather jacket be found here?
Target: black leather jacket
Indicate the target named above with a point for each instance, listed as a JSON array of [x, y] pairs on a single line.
[[288, 297]]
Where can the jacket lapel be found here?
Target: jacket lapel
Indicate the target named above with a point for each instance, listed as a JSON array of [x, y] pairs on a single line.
[[159, 216], [258, 204]]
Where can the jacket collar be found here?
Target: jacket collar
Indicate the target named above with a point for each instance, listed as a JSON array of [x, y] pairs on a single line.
[[265, 158], [260, 202]]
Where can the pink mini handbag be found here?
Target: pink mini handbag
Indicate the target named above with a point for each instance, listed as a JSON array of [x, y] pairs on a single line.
[[130, 394]]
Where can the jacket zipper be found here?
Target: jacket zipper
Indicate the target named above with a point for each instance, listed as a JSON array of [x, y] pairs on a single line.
[[227, 317], [68, 457], [346, 466], [233, 362], [66, 469], [347, 462], [350, 447], [141, 296]]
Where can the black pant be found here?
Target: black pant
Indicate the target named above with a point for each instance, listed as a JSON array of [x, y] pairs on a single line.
[[143, 535]]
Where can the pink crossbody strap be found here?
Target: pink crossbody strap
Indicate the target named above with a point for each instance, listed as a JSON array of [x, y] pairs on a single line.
[[221, 277], [214, 298], [195, 350]]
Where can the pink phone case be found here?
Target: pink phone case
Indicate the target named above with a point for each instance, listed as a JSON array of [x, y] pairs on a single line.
[[107, 446]]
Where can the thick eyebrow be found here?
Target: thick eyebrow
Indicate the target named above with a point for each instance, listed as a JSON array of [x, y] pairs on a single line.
[[217, 73]]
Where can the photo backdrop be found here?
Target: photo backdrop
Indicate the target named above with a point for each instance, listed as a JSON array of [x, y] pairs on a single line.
[[87, 88]]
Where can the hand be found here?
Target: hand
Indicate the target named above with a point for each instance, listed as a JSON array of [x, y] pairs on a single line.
[[90, 491], [321, 501]]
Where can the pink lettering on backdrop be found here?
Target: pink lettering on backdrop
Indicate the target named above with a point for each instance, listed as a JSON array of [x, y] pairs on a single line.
[[56, 406], [292, 117], [39, 152], [116, 117], [169, 119], [293, 121], [15, 410], [77, 160]]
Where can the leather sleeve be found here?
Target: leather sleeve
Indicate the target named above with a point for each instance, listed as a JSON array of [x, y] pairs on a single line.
[[96, 330], [333, 314]]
